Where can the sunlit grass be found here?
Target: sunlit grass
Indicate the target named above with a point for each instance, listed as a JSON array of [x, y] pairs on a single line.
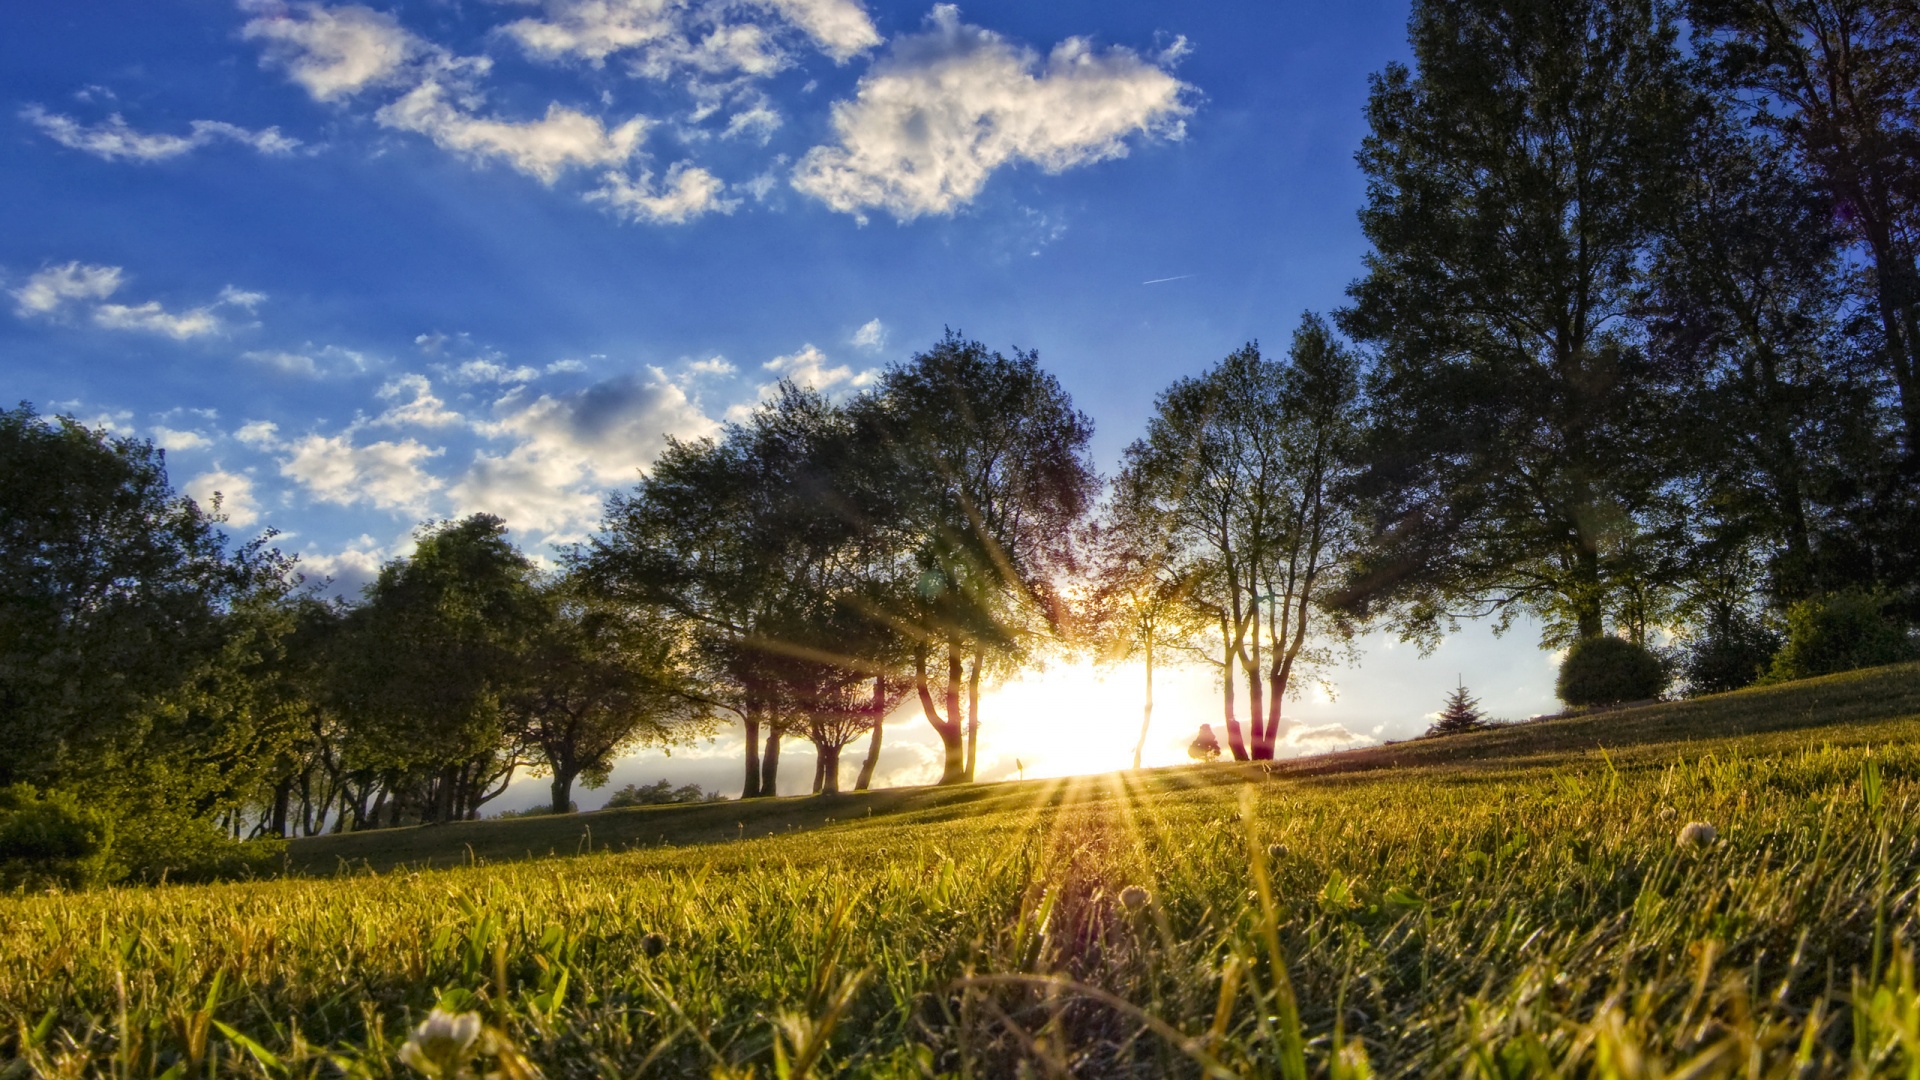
[[1452, 918]]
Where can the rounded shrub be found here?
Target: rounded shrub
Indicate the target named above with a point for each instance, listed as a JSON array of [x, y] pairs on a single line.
[[1842, 632], [51, 840], [1608, 671], [1731, 651]]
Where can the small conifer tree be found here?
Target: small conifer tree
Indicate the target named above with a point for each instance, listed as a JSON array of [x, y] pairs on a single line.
[[1462, 713], [1204, 746]]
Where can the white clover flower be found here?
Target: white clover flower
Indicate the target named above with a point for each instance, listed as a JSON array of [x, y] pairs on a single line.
[[443, 1044], [1697, 834], [1135, 897]]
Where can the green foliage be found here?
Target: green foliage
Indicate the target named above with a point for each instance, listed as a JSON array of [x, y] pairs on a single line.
[[1461, 714], [1842, 632], [1399, 923], [1732, 651], [51, 840], [1608, 671], [659, 793], [1518, 175]]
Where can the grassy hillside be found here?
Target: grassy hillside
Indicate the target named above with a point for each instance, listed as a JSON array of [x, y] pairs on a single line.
[[1850, 709], [1506, 904]]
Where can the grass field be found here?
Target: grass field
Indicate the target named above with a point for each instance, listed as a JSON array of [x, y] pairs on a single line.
[[1506, 904]]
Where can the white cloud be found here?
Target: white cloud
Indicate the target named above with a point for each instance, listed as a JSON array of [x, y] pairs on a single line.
[[488, 369], [757, 122], [688, 192], [261, 434], [670, 35], [386, 475], [871, 335], [152, 318], [945, 108], [840, 27], [309, 362], [349, 570], [244, 299], [541, 148], [421, 409], [593, 30], [234, 492], [287, 363], [334, 52], [49, 291], [180, 441], [566, 367], [809, 368], [570, 447], [712, 365], [113, 139], [52, 288]]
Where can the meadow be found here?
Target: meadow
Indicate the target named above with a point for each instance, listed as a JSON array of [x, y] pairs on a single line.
[[1511, 903]]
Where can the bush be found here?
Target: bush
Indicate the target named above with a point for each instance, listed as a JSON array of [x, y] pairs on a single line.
[[1842, 632], [1608, 671], [1733, 651], [52, 841], [660, 793]]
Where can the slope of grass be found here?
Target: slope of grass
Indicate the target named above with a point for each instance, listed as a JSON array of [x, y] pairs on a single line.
[[1506, 904]]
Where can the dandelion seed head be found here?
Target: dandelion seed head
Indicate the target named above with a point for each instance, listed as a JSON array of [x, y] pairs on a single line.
[[1135, 897], [1697, 834]]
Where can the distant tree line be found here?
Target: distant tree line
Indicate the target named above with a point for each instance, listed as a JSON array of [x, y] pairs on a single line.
[[1635, 354]]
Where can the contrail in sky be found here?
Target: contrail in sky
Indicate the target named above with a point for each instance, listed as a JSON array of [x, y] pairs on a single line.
[[1158, 280]]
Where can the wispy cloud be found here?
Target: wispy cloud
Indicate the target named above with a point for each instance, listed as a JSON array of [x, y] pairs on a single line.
[[113, 139], [53, 289]]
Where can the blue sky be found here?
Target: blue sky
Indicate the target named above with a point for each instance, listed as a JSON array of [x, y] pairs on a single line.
[[356, 265]]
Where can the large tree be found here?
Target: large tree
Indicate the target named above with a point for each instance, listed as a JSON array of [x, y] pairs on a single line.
[[430, 661], [1745, 305], [1839, 82], [747, 537], [599, 680], [986, 460], [1517, 176], [1243, 469]]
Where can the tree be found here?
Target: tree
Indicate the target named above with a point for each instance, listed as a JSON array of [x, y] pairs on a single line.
[[599, 680], [986, 459], [430, 662], [115, 594], [1138, 601], [1516, 179], [1839, 82], [136, 643], [1461, 714], [750, 540], [1244, 469], [1745, 306]]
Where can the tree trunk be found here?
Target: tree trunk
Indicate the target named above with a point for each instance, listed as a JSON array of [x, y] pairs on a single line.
[[873, 740], [282, 798], [973, 715], [751, 717], [770, 764], [562, 790], [1256, 698], [828, 780], [819, 766], [952, 740], [1146, 712], [1234, 741]]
